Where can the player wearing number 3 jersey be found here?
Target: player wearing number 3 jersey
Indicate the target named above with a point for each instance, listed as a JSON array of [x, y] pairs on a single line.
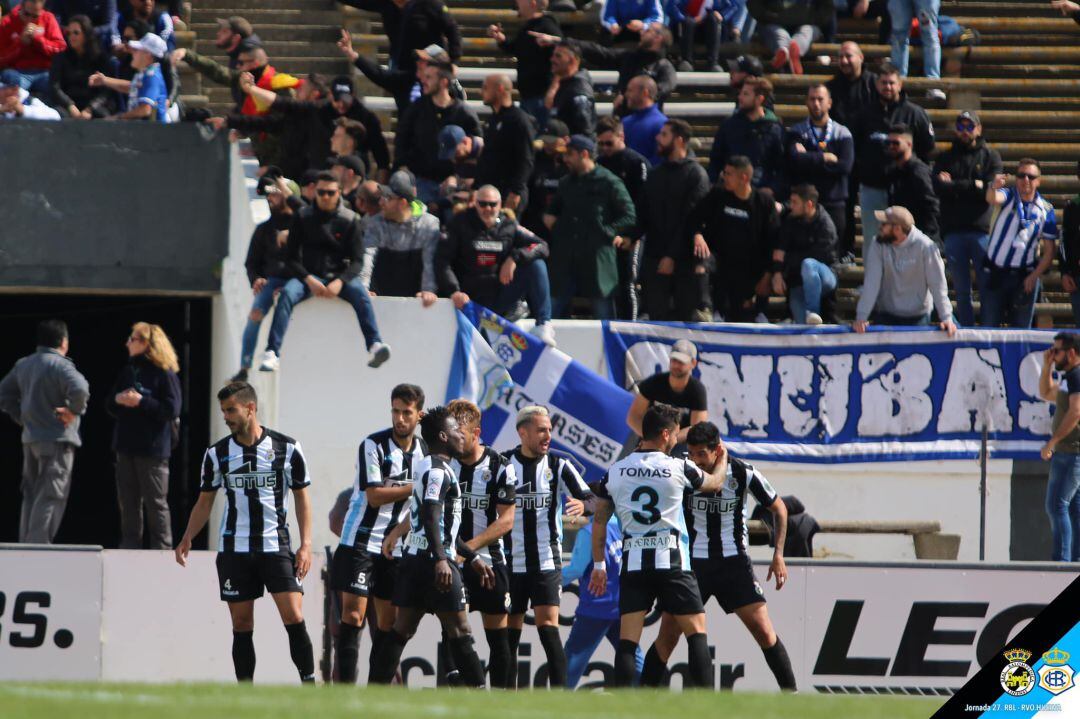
[[645, 490]]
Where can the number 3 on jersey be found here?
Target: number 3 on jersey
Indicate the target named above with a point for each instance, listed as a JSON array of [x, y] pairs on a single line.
[[648, 513]]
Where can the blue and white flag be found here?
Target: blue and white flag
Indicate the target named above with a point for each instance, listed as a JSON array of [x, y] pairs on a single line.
[[830, 395], [503, 368]]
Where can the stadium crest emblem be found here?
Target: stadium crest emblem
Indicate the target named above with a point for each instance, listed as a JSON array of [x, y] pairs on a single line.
[[1056, 676], [1017, 678]]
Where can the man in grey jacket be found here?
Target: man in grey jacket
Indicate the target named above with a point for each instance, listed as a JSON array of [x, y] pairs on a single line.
[[904, 277], [45, 395]]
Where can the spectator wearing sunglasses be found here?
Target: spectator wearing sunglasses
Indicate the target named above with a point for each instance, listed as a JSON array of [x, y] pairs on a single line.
[[961, 175], [1021, 248], [909, 181]]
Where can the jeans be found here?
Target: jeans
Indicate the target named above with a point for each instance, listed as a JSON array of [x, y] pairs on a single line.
[[964, 250], [262, 304], [818, 280], [534, 106], [777, 37], [870, 199], [585, 636], [296, 291], [35, 81], [531, 283], [887, 319], [1063, 506], [1003, 297], [901, 12], [711, 27]]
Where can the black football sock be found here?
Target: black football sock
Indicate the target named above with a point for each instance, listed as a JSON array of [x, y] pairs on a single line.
[[701, 667], [300, 649], [243, 655], [625, 663], [556, 656], [513, 638], [777, 658], [468, 663], [498, 657], [385, 657], [446, 658], [654, 671], [348, 652]]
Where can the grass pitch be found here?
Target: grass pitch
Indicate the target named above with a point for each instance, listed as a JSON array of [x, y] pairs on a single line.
[[209, 701]]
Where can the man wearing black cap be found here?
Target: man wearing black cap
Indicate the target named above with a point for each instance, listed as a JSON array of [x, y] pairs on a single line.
[[961, 175], [587, 217], [548, 170], [349, 171], [321, 116], [400, 244], [416, 144], [743, 67]]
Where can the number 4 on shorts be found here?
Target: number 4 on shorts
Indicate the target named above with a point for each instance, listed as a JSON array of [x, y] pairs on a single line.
[[228, 584]]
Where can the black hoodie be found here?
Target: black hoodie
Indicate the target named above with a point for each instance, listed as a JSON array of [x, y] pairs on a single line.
[[910, 186], [574, 104], [672, 190], [871, 129], [963, 205], [799, 239], [325, 244]]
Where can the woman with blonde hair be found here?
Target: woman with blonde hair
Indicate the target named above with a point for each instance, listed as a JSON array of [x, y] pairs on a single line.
[[146, 403]]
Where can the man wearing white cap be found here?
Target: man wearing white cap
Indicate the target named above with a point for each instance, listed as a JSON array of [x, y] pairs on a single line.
[[904, 277], [147, 94], [677, 387]]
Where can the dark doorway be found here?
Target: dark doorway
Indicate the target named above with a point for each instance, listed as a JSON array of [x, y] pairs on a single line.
[[98, 326]]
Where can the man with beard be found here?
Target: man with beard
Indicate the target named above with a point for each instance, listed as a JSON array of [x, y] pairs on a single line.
[[753, 132], [507, 160], [570, 96], [1063, 447], [234, 35], [961, 175], [669, 270], [385, 471], [678, 387], [909, 180]]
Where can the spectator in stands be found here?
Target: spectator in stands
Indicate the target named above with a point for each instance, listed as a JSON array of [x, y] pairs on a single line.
[[851, 89], [649, 58], [145, 401], [18, 104], [910, 184], [887, 107], [743, 67], [464, 152], [253, 73], [424, 23], [1020, 250], [789, 28], [368, 201], [416, 144], [148, 98], [901, 13], [753, 132], [1069, 259], [737, 224], [961, 175], [100, 14], [708, 16], [487, 257], [234, 35], [400, 244], [1063, 447], [643, 121], [569, 98], [587, 217], [821, 152], [508, 158], [349, 171], [160, 21], [324, 255], [674, 283], [627, 20], [46, 396], [532, 60], [804, 255], [324, 117], [633, 169], [678, 387], [71, 71], [1067, 8], [904, 276], [548, 169], [267, 258], [29, 39], [347, 138], [308, 181]]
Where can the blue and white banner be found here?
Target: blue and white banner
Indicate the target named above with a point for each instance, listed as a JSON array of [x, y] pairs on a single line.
[[830, 395], [503, 368]]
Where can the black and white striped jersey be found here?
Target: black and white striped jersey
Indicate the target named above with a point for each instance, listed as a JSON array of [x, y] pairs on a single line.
[[256, 481], [716, 521], [647, 488], [435, 483], [381, 463], [484, 486], [535, 542]]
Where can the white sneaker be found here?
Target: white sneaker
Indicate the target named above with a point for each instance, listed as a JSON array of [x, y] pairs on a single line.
[[935, 94], [761, 319], [379, 353], [545, 332], [813, 319], [270, 362]]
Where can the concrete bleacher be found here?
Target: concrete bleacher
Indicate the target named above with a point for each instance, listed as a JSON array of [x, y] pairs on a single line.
[[1023, 78]]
